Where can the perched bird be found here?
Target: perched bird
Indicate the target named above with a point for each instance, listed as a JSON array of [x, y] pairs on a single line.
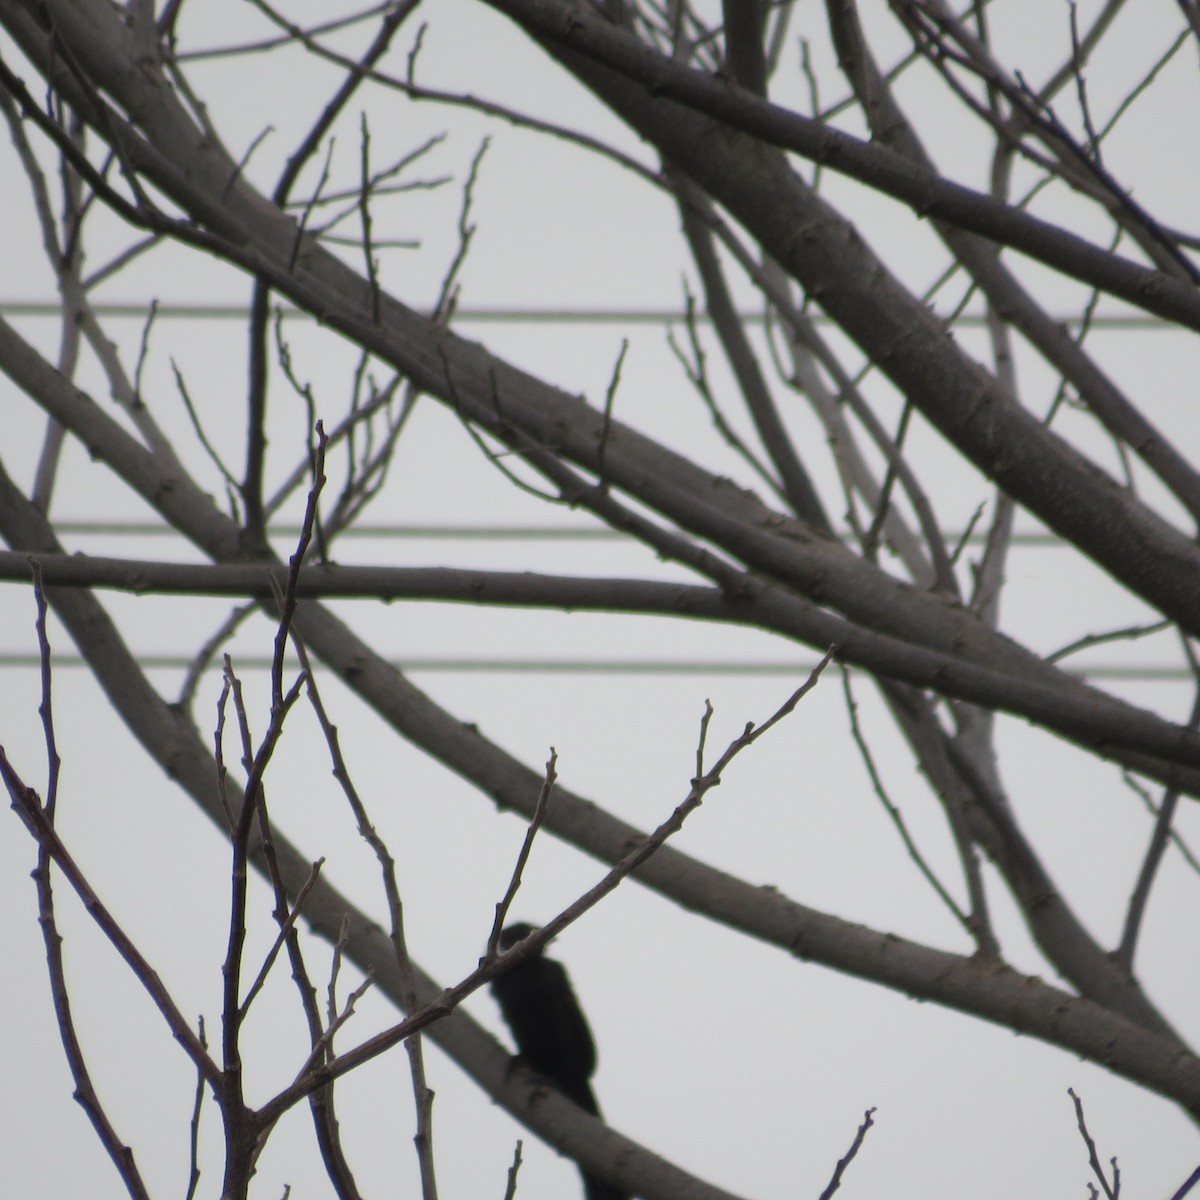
[[552, 1035]]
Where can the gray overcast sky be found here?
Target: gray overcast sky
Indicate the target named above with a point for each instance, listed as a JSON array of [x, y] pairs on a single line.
[[749, 1069]]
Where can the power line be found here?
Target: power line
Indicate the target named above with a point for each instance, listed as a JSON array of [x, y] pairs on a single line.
[[1111, 672], [366, 531], [504, 315], [382, 530]]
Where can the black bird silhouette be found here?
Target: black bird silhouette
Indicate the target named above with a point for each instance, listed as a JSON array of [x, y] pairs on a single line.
[[551, 1032]]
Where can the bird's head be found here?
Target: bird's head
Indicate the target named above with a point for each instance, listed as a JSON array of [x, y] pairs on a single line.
[[510, 935]]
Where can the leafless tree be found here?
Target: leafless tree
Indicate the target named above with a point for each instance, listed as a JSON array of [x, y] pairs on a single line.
[[873, 333]]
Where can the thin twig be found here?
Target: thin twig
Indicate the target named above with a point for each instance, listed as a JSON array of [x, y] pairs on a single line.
[[364, 208], [510, 1189], [1192, 860], [843, 1162], [894, 813], [32, 812], [422, 1094], [39, 819], [1157, 847], [1128, 633], [1187, 1185], [244, 1137], [610, 396], [1112, 1191], [194, 417], [194, 1124], [540, 810], [696, 370], [285, 930]]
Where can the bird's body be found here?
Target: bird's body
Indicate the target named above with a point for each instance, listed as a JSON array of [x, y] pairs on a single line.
[[537, 1001], [552, 1035]]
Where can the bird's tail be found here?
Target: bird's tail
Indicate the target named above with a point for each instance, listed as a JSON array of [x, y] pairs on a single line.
[[580, 1091], [593, 1189], [597, 1189]]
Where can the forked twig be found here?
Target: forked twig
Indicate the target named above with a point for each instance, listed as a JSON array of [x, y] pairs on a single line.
[[1113, 1190]]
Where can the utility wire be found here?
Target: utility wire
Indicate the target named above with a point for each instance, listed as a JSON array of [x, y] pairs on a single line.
[[1113, 672], [381, 530], [502, 315]]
